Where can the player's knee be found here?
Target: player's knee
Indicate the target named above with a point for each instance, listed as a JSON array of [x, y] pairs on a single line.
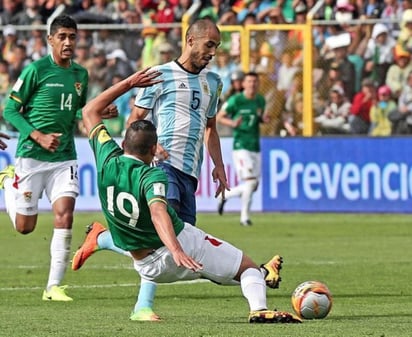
[[63, 220], [253, 184], [24, 227]]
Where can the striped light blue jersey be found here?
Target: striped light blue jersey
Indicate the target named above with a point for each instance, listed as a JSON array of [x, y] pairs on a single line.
[[181, 106]]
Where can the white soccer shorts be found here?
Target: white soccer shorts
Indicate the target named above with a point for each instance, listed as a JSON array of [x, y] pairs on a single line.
[[57, 179], [220, 260], [247, 164]]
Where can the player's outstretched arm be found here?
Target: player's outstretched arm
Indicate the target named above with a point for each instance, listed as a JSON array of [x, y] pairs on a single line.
[[93, 109], [164, 229]]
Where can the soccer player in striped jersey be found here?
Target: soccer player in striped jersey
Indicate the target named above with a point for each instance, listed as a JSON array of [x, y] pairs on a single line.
[[163, 247], [44, 105], [183, 107]]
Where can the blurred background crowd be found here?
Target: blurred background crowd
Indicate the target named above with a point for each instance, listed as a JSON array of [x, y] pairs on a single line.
[[362, 71]]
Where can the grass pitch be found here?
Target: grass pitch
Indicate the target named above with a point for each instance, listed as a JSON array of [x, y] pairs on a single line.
[[364, 259]]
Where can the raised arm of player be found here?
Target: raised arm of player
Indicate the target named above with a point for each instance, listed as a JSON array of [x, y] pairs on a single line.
[[93, 109]]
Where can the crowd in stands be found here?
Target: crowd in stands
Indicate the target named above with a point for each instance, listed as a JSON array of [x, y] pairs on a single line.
[[362, 72]]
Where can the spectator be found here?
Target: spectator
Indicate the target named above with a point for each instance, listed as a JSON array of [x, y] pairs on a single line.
[[335, 117], [29, 15], [4, 79], [379, 54], [236, 79], [18, 61], [379, 114], [10, 9], [10, 40], [361, 105], [117, 64], [102, 8], [224, 66], [402, 116], [97, 73], [132, 40], [35, 45], [291, 124], [371, 9], [106, 39], [286, 73], [214, 11], [398, 72], [338, 45], [405, 35], [392, 11], [82, 55], [344, 11], [254, 7]]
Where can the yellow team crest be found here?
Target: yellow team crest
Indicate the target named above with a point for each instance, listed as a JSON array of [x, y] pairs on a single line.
[[78, 87], [103, 136]]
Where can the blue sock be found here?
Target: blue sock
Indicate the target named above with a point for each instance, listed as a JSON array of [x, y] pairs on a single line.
[[105, 241], [146, 295]]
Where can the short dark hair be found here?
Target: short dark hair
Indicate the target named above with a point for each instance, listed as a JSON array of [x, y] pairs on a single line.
[[252, 74], [140, 137], [64, 21], [200, 25]]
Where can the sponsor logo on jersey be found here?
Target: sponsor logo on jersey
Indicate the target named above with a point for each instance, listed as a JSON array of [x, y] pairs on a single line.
[[78, 87], [60, 85], [182, 86]]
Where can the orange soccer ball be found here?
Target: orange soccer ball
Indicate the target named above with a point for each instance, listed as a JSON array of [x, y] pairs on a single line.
[[312, 300]]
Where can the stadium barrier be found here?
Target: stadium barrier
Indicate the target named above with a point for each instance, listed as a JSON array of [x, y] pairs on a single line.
[[298, 175]]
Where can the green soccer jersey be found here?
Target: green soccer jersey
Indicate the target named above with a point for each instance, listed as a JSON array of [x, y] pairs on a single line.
[[246, 135], [127, 187], [47, 97]]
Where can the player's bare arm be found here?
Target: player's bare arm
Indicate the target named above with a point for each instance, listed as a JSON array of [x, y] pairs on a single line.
[[212, 142], [163, 225], [139, 113], [110, 111], [222, 118]]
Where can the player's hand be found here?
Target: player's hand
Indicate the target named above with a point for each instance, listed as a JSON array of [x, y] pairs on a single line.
[[145, 78], [3, 145], [219, 174], [161, 153], [50, 141], [183, 260], [110, 112], [237, 122]]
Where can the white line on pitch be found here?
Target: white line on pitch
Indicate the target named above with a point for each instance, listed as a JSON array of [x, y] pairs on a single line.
[[96, 286]]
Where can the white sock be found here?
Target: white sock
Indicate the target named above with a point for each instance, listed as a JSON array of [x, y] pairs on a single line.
[[10, 199], [60, 255], [246, 199], [254, 289]]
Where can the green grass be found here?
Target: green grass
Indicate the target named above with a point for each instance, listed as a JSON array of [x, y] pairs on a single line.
[[364, 259]]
